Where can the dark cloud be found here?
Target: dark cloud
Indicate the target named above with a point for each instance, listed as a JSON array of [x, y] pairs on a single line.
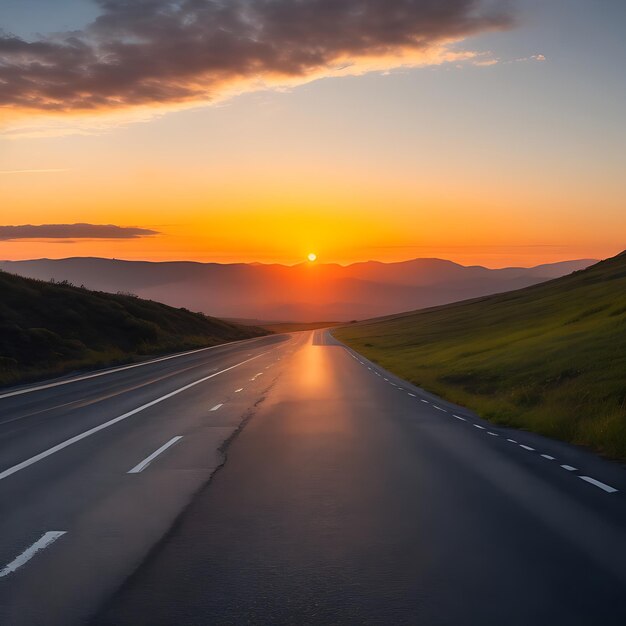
[[72, 231], [141, 52]]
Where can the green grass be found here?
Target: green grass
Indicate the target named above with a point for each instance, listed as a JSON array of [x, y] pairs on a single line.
[[549, 358], [49, 329]]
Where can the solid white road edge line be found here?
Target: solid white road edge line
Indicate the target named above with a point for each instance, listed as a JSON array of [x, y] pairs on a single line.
[[597, 483], [92, 431], [19, 392], [43, 542], [140, 467]]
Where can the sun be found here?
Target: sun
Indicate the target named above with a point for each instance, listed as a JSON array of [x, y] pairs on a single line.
[[312, 257]]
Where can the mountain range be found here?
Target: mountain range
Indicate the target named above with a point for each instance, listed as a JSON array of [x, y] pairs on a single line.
[[303, 293]]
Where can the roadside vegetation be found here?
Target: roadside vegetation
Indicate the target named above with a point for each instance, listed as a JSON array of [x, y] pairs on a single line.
[[49, 329], [549, 358]]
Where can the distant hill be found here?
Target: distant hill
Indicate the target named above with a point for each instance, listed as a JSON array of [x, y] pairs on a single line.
[[550, 358], [48, 329], [300, 293]]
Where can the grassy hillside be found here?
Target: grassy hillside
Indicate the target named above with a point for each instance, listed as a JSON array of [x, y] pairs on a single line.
[[550, 358], [48, 329]]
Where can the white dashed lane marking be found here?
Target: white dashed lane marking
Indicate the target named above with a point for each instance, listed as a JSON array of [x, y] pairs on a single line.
[[142, 466], [41, 544], [569, 468], [597, 483], [96, 429], [216, 407]]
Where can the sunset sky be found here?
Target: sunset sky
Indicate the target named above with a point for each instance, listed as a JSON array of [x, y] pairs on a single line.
[[262, 130]]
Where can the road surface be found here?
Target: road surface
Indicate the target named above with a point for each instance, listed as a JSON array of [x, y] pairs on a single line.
[[344, 496]]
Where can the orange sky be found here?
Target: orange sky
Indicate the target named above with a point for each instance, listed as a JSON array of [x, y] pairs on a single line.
[[272, 208]]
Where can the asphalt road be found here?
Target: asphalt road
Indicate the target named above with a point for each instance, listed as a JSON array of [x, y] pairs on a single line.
[[348, 497]]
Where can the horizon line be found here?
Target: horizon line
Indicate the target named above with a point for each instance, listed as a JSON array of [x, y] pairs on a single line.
[[300, 263]]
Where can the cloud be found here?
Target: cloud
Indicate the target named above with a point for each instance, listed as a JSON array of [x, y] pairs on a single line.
[[175, 53], [539, 58], [72, 231], [485, 62]]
